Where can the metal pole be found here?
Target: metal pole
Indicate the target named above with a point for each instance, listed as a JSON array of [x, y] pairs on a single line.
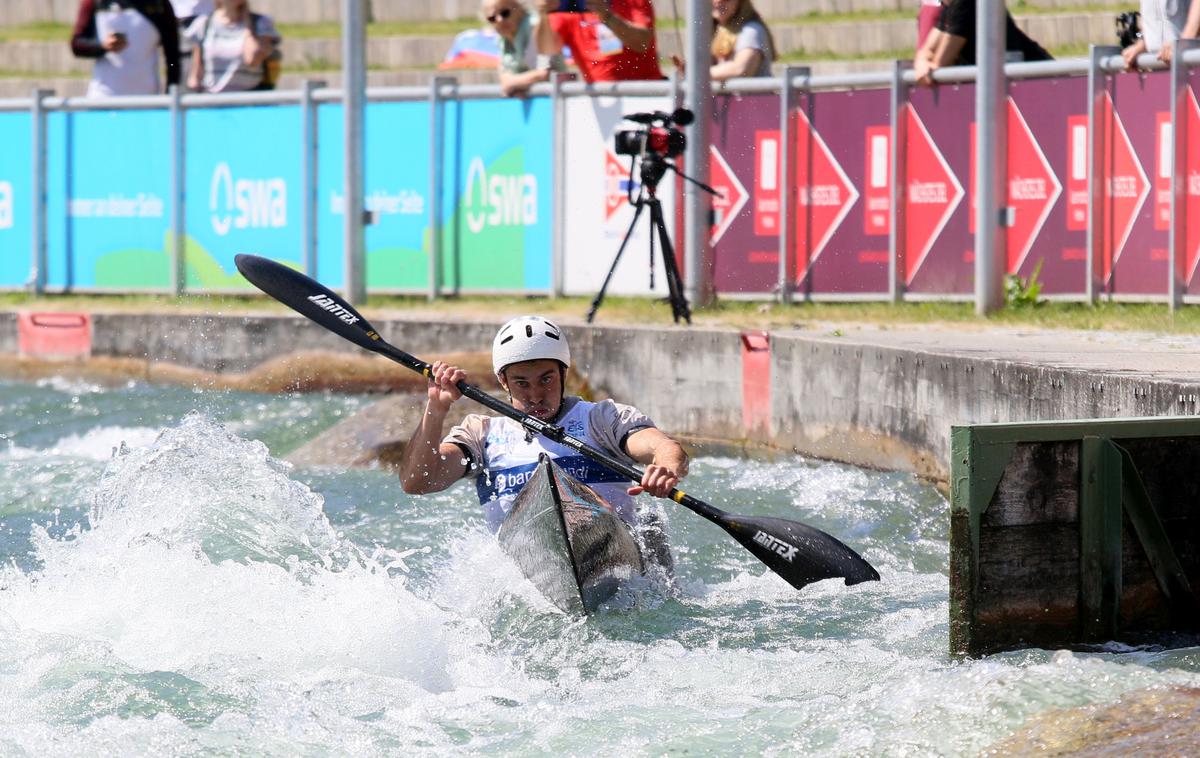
[[436, 173], [1097, 174], [991, 150], [178, 209], [308, 159], [898, 167], [1177, 265], [558, 128], [37, 274], [787, 179], [354, 85], [697, 203]]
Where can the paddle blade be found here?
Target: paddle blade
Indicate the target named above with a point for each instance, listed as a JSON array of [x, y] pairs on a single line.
[[798, 553], [309, 298]]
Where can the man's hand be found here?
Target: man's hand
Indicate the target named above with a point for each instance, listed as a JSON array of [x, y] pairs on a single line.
[[1131, 53], [442, 389], [657, 480], [115, 42]]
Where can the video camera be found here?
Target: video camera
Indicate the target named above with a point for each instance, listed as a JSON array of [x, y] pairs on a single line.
[[658, 137]]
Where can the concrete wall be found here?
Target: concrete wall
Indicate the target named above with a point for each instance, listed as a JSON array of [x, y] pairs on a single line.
[[870, 401]]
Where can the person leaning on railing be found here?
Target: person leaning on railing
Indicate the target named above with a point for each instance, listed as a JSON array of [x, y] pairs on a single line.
[[742, 44], [124, 37], [952, 41], [522, 35], [1162, 22], [232, 49]]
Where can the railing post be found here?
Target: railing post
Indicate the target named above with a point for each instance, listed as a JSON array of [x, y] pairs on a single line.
[[899, 170], [178, 192], [787, 180], [558, 182], [436, 162], [37, 274], [1177, 245], [991, 152], [1097, 182], [308, 180]]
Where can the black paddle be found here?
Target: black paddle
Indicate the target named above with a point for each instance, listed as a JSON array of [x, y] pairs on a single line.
[[798, 553]]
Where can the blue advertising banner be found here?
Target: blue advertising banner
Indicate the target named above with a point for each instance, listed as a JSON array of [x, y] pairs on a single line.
[[16, 212], [397, 193], [107, 188], [497, 202], [244, 191]]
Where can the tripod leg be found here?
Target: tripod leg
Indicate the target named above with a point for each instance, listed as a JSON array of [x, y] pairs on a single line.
[[679, 303], [617, 259]]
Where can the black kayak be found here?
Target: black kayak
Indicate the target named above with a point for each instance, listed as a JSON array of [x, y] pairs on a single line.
[[568, 541]]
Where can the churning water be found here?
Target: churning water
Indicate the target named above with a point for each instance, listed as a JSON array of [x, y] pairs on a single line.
[[169, 587]]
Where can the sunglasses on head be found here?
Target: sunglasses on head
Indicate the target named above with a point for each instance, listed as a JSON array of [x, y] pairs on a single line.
[[499, 15]]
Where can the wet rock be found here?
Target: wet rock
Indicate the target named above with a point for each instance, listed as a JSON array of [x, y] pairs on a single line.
[[1158, 721]]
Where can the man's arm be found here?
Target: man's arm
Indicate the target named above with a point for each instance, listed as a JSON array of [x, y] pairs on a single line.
[[1191, 30], [633, 35], [923, 65], [428, 464], [84, 42], [666, 462]]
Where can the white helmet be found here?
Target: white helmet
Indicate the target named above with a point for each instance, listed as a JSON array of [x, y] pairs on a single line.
[[529, 338]]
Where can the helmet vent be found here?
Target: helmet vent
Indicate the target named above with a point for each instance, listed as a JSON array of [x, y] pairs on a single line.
[[528, 330], [506, 340], [552, 335]]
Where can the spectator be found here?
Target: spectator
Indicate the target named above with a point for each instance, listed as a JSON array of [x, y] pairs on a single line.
[[613, 40], [954, 41], [1162, 22], [186, 12], [231, 49], [742, 44], [124, 37], [522, 35]]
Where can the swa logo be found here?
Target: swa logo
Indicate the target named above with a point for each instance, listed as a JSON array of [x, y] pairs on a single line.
[[499, 199], [246, 203]]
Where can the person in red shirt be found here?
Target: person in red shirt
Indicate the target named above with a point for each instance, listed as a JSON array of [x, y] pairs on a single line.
[[612, 41]]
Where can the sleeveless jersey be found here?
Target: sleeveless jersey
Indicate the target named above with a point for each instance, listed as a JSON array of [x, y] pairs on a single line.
[[510, 458]]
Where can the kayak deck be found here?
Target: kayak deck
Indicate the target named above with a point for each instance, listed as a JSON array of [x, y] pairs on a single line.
[[568, 541]]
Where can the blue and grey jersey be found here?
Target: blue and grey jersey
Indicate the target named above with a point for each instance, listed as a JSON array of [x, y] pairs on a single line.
[[503, 456]]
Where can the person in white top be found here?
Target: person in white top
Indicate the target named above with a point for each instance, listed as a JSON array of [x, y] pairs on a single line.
[[124, 37], [1162, 22], [230, 48], [530, 357]]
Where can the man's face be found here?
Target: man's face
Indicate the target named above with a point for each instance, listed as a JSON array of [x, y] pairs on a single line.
[[535, 386], [504, 16]]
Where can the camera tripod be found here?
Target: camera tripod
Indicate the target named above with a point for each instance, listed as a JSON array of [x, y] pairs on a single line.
[[652, 169]]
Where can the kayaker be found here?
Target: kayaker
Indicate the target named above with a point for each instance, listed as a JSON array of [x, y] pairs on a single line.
[[530, 357]]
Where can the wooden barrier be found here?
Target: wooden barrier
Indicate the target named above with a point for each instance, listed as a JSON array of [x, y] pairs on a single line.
[[1073, 532]]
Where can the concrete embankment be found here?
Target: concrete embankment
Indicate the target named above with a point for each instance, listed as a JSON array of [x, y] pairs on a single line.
[[883, 397]]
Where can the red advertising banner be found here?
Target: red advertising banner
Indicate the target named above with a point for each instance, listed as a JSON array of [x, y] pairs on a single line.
[[745, 168], [1134, 251], [938, 245], [841, 244]]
